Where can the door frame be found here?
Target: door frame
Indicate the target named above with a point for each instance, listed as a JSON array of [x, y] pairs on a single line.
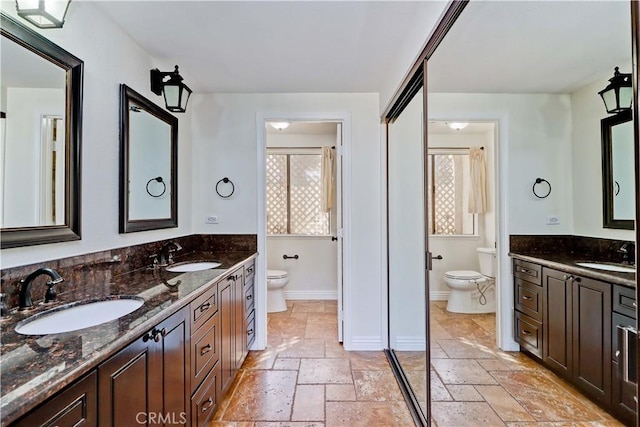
[[344, 300]]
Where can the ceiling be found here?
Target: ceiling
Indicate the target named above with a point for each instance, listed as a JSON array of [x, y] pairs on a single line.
[[473, 128], [532, 47], [277, 46]]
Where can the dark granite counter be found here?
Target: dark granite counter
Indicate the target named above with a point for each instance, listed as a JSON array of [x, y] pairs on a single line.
[[33, 368], [566, 261]]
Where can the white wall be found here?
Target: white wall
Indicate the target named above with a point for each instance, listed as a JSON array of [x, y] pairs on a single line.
[[110, 58], [588, 110], [22, 165], [225, 144], [315, 274], [459, 252]]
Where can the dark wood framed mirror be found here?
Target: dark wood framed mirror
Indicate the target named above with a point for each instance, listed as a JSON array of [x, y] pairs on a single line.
[[42, 88], [148, 164], [618, 201]]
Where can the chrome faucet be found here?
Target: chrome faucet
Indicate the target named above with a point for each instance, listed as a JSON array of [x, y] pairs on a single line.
[[165, 255], [24, 298], [628, 251]]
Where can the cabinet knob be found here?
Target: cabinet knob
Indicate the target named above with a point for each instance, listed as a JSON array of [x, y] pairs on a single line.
[[250, 331], [249, 297], [206, 349], [204, 307]]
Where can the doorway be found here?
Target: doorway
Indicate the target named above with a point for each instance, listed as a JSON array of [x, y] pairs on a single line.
[[301, 230]]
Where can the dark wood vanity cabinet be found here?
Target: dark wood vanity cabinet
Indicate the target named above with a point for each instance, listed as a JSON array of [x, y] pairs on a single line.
[[147, 382], [577, 331]]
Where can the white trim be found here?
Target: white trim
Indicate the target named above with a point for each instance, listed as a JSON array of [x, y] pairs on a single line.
[[261, 268], [439, 295], [416, 343], [311, 295], [371, 343], [384, 260]]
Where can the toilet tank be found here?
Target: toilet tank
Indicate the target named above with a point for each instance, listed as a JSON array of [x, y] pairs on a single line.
[[487, 258]]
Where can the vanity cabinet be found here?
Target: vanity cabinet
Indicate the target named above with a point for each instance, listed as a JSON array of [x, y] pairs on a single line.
[[76, 406], [623, 393], [529, 299], [149, 378]]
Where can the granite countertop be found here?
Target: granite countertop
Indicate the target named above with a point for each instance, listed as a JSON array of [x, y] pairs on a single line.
[[566, 261], [35, 367]]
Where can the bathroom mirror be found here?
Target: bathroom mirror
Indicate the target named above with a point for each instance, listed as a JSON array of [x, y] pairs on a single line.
[[40, 138], [148, 164], [617, 171]]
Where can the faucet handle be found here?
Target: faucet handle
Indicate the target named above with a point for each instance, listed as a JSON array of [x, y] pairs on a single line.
[[51, 293]]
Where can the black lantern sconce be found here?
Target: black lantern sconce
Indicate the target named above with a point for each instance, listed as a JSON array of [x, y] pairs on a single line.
[[43, 13], [618, 94], [176, 93]]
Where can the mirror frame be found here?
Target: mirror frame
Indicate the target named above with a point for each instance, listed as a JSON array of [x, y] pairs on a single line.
[[608, 219], [74, 67], [127, 225]]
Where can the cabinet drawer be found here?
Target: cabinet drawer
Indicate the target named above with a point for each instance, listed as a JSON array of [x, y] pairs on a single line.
[[527, 271], [529, 299], [75, 406], [203, 307], [248, 300], [205, 400], [251, 328], [624, 300], [249, 272], [204, 352], [529, 334]]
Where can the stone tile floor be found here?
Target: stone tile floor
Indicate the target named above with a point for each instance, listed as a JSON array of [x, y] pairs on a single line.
[[305, 379]]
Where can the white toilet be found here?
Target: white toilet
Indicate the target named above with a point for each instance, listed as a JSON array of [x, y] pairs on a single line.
[[276, 281], [473, 292]]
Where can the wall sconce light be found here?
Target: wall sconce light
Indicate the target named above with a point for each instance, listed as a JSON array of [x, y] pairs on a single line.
[[279, 125], [457, 125], [43, 13], [176, 93], [618, 94]]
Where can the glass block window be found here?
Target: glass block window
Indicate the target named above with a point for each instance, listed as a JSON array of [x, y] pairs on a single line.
[[448, 192], [294, 191]]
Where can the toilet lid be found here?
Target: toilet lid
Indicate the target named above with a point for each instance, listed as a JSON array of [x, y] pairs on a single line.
[[463, 274], [276, 274]]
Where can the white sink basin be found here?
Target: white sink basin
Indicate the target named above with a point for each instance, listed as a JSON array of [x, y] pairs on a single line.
[[75, 316], [185, 267], [607, 267]]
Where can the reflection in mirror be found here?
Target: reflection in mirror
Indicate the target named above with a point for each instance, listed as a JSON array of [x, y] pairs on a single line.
[[406, 248], [149, 137], [617, 172], [41, 105]]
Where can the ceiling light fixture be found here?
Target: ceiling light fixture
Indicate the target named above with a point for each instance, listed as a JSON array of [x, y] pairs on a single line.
[[43, 13], [618, 94], [176, 93], [457, 125], [279, 125]]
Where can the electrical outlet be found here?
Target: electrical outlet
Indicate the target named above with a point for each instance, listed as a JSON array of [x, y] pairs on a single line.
[[213, 219], [553, 220]]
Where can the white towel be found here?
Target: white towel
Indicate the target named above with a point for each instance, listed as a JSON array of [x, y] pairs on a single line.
[[478, 175], [327, 179]]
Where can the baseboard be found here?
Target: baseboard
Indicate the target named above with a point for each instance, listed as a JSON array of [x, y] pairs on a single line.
[[410, 344], [439, 295], [311, 295], [372, 343]]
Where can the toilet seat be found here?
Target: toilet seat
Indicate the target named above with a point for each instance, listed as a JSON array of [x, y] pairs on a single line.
[[463, 275], [276, 274]]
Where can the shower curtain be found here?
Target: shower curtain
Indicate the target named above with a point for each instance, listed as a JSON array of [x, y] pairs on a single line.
[[478, 175]]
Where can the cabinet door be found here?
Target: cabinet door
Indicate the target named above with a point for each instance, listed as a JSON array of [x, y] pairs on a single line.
[[227, 341], [175, 353], [592, 338], [240, 320], [130, 385], [557, 319], [75, 406]]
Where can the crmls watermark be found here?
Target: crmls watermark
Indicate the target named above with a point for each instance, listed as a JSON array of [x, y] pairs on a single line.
[[170, 418]]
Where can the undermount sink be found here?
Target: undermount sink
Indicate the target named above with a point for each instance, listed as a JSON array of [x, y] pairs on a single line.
[[607, 267], [185, 267], [78, 315]]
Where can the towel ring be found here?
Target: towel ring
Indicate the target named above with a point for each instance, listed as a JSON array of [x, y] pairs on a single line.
[[226, 181], [538, 181], [161, 181]]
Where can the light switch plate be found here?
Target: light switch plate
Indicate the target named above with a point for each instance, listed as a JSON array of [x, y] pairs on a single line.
[[212, 219], [553, 220]]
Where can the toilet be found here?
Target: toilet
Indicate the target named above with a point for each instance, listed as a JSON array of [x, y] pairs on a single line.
[[276, 281], [472, 291]]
